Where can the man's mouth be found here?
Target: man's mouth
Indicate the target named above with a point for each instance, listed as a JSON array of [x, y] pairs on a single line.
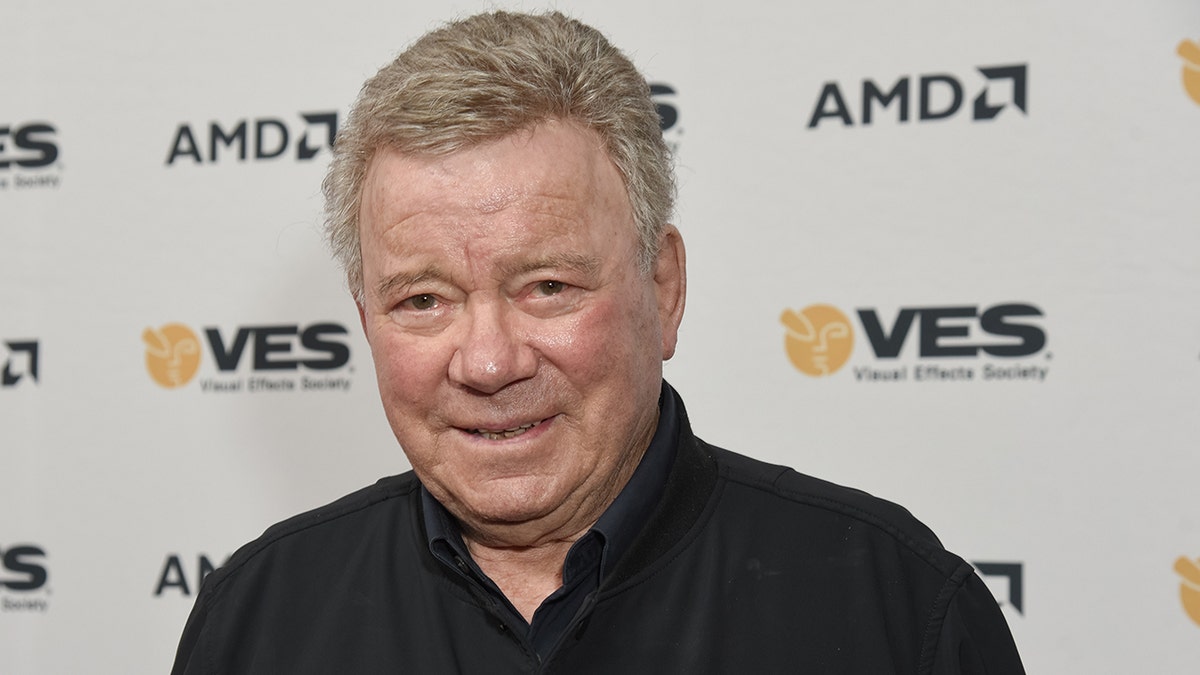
[[501, 434]]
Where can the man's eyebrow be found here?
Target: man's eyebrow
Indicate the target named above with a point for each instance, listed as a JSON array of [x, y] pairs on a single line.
[[405, 279], [584, 264], [587, 265]]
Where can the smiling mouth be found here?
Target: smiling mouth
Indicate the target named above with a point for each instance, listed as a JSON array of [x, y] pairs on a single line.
[[498, 435]]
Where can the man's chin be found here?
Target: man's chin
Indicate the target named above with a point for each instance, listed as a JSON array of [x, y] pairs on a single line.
[[507, 510]]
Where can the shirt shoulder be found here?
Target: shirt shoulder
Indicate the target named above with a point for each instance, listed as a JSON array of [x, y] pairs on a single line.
[[819, 499], [866, 543], [348, 517]]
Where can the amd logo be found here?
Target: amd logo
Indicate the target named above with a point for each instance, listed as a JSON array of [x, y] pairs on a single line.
[[174, 576], [21, 364], [668, 114], [260, 139], [1009, 576], [938, 96]]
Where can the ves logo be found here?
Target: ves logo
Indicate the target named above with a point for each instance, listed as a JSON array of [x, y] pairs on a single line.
[[269, 136], [174, 352], [819, 340], [1189, 586], [938, 96], [22, 362], [1190, 51], [26, 150], [23, 570]]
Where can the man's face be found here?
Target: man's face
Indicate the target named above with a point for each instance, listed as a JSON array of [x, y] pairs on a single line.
[[517, 345]]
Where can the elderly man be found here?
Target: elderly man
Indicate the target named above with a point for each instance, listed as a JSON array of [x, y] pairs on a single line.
[[499, 199]]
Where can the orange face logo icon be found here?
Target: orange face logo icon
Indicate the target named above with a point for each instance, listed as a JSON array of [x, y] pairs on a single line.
[[1190, 51], [172, 354], [818, 340], [1189, 589]]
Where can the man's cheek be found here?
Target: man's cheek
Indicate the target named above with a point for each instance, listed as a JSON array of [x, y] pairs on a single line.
[[578, 350], [411, 360], [597, 327]]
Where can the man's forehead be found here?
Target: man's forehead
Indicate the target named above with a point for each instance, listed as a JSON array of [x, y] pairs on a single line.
[[569, 141], [557, 169], [496, 200]]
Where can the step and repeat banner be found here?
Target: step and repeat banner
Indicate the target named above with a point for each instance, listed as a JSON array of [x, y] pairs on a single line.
[[946, 253]]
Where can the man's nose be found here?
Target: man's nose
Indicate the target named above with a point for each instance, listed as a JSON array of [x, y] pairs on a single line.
[[492, 353]]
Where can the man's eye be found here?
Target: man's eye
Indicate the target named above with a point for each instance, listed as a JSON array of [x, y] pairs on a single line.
[[422, 301], [550, 287]]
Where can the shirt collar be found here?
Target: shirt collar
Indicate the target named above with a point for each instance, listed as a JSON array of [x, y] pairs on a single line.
[[621, 522]]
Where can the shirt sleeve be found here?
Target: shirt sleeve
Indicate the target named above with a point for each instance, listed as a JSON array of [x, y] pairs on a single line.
[[188, 657], [974, 637]]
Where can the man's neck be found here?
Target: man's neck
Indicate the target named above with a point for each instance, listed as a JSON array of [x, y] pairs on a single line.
[[525, 560], [526, 575]]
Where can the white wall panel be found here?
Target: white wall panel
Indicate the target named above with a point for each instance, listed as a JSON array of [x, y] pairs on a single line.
[[1084, 205]]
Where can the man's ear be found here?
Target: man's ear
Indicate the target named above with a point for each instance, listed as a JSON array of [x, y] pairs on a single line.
[[670, 284]]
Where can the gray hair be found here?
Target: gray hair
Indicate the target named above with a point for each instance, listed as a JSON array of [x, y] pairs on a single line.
[[484, 78]]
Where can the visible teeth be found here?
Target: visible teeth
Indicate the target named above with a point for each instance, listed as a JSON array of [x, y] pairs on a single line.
[[506, 433]]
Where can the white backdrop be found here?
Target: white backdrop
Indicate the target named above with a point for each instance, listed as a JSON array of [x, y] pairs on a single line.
[[1072, 189]]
